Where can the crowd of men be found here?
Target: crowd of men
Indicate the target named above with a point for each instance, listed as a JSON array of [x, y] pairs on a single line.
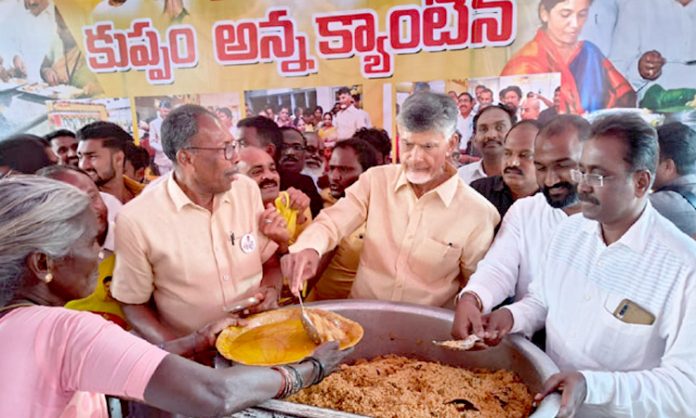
[[583, 230]]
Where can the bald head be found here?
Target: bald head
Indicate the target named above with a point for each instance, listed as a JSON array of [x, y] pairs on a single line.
[[530, 109]]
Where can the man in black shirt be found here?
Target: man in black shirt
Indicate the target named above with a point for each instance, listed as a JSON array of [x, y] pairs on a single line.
[[290, 164], [519, 176]]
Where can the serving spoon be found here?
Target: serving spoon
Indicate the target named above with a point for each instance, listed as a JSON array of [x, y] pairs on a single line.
[[308, 325]]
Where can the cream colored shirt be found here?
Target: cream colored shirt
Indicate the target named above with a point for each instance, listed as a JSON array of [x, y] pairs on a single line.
[[349, 120], [417, 250], [193, 262]]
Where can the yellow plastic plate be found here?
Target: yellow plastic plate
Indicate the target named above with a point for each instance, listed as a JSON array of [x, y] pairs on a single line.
[[277, 337]]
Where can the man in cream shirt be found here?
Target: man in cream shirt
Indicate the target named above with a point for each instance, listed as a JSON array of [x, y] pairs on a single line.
[[425, 229], [617, 289], [349, 118], [191, 247]]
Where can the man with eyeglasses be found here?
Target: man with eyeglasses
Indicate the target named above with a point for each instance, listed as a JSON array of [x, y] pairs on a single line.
[[290, 165], [425, 229], [617, 290], [196, 243]]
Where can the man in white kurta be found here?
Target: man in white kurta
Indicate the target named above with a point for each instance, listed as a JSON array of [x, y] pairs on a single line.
[[516, 255]]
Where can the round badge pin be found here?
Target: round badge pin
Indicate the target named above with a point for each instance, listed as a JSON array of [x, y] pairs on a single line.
[[248, 243]]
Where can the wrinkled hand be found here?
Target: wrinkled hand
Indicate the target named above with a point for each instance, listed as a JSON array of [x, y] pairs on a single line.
[[467, 318], [20, 69], [330, 356], [496, 325], [272, 225], [205, 337], [50, 76], [573, 388], [650, 65], [299, 267], [268, 299]]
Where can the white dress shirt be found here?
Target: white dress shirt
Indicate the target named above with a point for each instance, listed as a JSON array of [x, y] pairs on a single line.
[[472, 171], [600, 24], [349, 120], [662, 25], [517, 252], [465, 126], [30, 37], [632, 370], [113, 207], [163, 162]]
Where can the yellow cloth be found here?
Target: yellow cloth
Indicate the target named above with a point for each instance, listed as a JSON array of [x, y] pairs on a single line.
[[100, 301], [417, 250], [328, 134], [282, 205], [133, 186]]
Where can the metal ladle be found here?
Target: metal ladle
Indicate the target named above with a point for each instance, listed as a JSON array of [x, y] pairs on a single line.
[[308, 325]]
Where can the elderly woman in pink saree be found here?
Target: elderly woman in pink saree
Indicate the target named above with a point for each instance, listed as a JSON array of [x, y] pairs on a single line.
[[589, 81]]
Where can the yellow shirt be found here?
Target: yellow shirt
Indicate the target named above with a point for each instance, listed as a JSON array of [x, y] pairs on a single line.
[[417, 250], [193, 262], [338, 278], [100, 301], [327, 197]]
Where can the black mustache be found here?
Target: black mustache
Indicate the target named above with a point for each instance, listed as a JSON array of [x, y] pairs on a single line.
[[265, 183], [585, 197], [290, 158], [514, 170], [563, 184]]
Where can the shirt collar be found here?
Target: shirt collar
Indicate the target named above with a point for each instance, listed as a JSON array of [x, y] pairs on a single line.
[[636, 237], [683, 180], [180, 199], [478, 168], [177, 195], [445, 191], [499, 185]]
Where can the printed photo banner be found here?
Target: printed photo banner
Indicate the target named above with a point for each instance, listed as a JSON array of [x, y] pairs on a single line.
[[69, 50]]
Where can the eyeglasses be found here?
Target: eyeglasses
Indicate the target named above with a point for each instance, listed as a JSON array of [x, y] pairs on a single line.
[[594, 180], [293, 147], [230, 149]]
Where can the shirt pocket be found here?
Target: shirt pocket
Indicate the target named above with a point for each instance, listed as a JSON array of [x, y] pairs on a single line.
[[433, 261], [622, 346]]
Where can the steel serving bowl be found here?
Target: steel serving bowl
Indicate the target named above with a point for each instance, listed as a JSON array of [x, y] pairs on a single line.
[[408, 330]]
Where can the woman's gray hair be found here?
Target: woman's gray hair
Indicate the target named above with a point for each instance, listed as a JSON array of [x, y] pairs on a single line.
[[36, 215], [179, 127], [427, 111]]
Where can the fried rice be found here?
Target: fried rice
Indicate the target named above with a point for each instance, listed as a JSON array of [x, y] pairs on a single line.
[[392, 386]]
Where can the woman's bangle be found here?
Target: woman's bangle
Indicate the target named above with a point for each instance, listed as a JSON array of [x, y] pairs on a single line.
[[285, 388], [297, 382]]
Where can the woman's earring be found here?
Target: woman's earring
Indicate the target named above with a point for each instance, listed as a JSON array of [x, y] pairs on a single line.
[[48, 277]]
